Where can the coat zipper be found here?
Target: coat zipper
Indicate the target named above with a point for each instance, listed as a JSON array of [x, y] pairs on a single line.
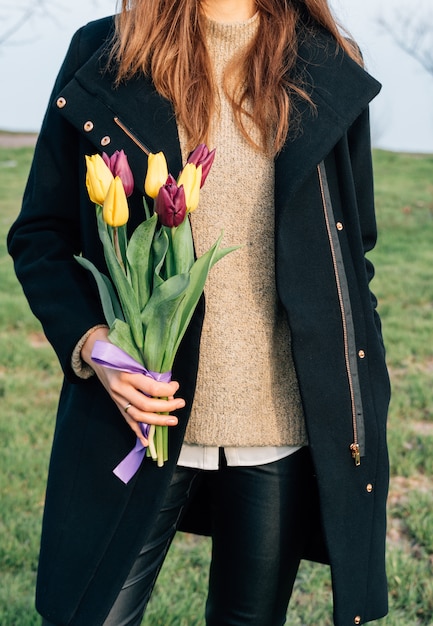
[[340, 278], [128, 132]]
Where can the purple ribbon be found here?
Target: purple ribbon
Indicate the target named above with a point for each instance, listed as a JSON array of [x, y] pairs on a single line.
[[109, 355]]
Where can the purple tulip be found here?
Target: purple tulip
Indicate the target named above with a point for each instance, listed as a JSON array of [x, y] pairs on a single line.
[[202, 156], [119, 166], [170, 203]]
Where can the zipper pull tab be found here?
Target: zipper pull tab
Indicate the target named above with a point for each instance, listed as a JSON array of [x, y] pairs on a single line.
[[356, 455]]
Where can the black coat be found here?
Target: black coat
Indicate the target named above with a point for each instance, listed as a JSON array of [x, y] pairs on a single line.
[[94, 525]]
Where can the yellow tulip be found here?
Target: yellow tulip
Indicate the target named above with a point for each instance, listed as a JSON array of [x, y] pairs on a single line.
[[157, 174], [190, 178], [115, 210], [98, 178]]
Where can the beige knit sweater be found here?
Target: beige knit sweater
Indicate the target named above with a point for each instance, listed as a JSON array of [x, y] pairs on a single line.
[[247, 392]]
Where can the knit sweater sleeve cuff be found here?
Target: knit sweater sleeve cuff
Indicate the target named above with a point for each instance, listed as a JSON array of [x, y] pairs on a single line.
[[80, 368]]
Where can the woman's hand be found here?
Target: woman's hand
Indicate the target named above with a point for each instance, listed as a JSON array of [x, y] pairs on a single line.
[[128, 392]]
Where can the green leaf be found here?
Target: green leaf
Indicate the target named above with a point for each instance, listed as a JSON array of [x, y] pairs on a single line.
[[198, 275], [124, 290], [109, 300], [114, 299], [139, 257], [161, 318], [160, 247], [182, 246], [120, 334]]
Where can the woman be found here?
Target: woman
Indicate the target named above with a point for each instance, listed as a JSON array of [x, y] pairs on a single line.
[[284, 455]]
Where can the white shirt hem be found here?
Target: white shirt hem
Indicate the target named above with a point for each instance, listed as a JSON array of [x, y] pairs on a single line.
[[207, 457]]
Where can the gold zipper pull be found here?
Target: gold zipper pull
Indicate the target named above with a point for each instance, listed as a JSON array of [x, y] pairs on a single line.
[[356, 455]]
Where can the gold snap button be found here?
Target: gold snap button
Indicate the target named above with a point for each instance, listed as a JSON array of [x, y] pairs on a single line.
[[369, 487], [88, 126], [61, 102], [357, 619], [105, 140], [339, 226], [361, 354]]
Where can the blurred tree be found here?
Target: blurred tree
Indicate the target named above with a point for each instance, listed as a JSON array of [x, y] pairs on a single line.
[[14, 15], [17, 14], [411, 27]]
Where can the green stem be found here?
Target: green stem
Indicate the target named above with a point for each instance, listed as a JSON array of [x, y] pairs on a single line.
[[117, 247], [165, 433], [146, 209], [159, 430], [170, 261], [150, 439]]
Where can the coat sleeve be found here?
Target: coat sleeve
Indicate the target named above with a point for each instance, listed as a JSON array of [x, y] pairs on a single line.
[[47, 233]]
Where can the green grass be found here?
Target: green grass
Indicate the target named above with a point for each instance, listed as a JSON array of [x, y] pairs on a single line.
[[30, 381]]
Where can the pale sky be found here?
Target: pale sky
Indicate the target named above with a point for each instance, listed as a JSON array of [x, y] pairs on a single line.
[[402, 114]]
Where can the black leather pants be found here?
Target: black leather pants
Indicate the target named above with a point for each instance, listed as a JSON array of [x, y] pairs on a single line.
[[260, 525]]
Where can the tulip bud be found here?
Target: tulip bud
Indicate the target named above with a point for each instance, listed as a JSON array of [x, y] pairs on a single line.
[[115, 210], [119, 166], [170, 203], [98, 178], [202, 156], [157, 174], [190, 179]]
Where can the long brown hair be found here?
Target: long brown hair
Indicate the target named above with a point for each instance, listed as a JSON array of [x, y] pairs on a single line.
[[165, 39]]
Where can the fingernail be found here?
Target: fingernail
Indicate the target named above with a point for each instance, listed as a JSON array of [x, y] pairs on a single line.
[[171, 421]]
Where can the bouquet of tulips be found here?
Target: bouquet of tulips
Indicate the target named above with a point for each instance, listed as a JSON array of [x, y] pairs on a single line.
[[154, 281]]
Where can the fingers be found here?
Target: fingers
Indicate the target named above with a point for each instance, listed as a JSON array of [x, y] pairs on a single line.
[[141, 399], [143, 388], [134, 418], [152, 387], [147, 417], [148, 405], [143, 393], [130, 389]]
